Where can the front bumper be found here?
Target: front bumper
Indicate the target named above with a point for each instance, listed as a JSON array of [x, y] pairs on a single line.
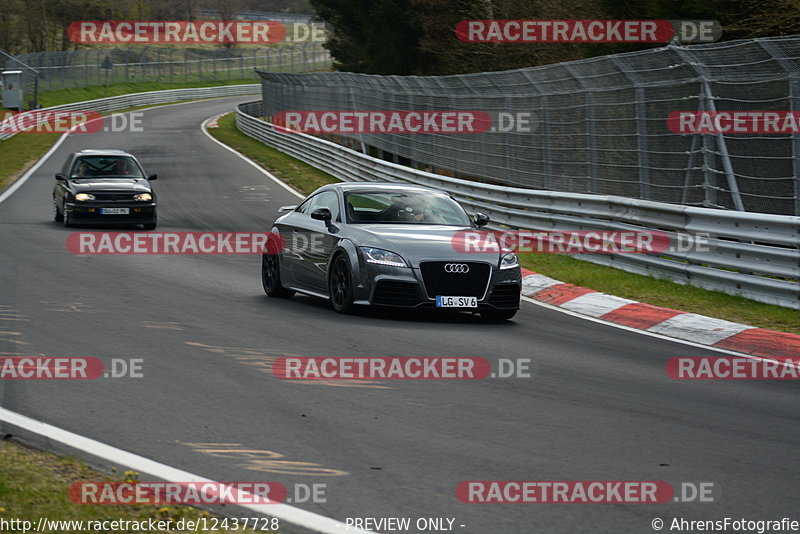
[[90, 213], [404, 287]]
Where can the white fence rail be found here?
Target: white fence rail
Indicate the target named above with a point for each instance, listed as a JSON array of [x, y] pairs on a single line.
[[114, 103], [748, 254]]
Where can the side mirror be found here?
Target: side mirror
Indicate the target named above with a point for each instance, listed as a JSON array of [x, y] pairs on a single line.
[[152, 177], [286, 208], [60, 177], [481, 219], [321, 214]]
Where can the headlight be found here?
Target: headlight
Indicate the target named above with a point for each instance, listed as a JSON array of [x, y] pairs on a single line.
[[143, 197], [383, 257], [83, 197], [509, 261]]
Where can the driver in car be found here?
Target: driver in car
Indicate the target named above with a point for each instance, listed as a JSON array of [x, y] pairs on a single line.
[[406, 208], [122, 168], [82, 171]]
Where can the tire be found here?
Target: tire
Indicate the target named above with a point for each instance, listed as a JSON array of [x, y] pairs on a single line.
[[271, 277], [57, 216], [151, 225], [340, 285], [65, 218], [497, 316]]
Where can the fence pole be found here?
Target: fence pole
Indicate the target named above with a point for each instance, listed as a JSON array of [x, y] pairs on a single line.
[[794, 98], [641, 128], [705, 79], [591, 156], [733, 186]]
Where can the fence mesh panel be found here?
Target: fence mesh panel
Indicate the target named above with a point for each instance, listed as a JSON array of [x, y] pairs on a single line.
[[101, 66], [599, 125]]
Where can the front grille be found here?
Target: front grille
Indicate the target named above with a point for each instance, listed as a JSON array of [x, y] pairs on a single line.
[[393, 293], [505, 296], [469, 284], [111, 197]]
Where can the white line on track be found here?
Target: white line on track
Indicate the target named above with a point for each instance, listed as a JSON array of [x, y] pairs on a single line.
[[284, 512], [248, 160], [24, 178]]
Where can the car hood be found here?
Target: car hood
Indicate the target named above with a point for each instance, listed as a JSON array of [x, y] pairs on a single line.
[[417, 242], [117, 184]]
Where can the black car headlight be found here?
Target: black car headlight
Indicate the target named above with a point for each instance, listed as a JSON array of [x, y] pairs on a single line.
[[509, 261], [383, 257], [143, 197], [83, 197]]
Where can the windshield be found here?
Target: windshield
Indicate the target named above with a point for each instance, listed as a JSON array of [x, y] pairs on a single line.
[[410, 207], [105, 167]]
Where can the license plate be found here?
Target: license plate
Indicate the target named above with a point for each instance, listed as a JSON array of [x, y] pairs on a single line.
[[115, 211], [456, 302]]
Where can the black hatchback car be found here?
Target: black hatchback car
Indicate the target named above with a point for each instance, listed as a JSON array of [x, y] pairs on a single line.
[[105, 187]]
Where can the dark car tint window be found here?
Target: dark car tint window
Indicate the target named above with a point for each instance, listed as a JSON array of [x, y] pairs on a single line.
[[411, 207], [105, 167], [326, 199], [66, 167]]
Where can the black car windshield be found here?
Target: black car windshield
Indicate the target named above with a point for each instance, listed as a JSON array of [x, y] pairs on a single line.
[[407, 207], [105, 167]]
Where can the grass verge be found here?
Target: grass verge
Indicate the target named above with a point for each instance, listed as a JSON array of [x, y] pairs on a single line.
[[665, 293], [35, 485], [19, 153], [299, 175]]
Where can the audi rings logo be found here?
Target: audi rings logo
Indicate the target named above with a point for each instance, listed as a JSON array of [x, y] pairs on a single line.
[[456, 268]]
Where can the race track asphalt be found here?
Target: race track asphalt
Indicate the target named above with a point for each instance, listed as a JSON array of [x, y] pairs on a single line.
[[599, 405]]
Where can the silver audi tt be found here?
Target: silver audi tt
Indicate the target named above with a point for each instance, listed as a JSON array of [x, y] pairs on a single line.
[[388, 244]]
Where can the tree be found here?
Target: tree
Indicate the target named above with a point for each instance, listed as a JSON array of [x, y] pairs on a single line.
[[371, 36]]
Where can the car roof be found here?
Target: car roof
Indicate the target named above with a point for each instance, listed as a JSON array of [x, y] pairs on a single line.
[[102, 152], [380, 186]]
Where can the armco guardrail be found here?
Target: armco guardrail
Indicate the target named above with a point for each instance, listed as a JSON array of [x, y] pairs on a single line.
[[748, 254], [113, 103]]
